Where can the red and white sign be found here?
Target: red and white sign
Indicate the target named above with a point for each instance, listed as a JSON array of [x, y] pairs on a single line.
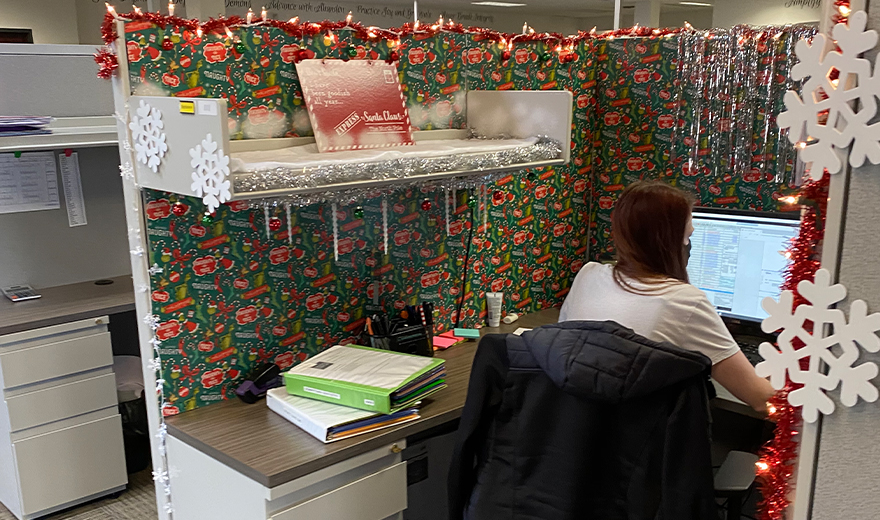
[[279, 255], [285, 360], [315, 302], [204, 265], [158, 209], [246, 315], [212, 378], [169, 329], [215, 52], [355, 105], [288, 53]]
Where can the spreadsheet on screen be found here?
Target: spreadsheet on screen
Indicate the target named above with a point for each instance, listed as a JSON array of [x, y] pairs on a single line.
[[738, 260]]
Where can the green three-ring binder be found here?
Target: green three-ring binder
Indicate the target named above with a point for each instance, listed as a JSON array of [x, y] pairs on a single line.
[[367, 378]]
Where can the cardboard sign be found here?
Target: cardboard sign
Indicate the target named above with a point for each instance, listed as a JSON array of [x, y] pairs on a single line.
[[354, 105]]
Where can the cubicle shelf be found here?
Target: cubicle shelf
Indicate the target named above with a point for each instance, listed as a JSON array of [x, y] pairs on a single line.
[[67, 132], [424, 137], [517, 121]]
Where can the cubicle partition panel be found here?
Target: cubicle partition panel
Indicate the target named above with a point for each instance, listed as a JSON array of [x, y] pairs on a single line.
[[276, 276]]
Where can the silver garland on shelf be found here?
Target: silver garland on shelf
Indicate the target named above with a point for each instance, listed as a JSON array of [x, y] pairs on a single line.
[[333, 174]]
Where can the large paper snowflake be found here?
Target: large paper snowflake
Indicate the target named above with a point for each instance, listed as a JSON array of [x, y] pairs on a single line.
[[839, 351], [149, 139], [211, 169], [835, 113]]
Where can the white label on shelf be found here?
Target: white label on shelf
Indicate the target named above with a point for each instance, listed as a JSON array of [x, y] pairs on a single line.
[[28, 182], [73, 194]]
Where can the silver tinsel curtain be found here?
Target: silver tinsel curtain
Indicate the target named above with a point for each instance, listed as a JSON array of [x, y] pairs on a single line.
[[731, 88]]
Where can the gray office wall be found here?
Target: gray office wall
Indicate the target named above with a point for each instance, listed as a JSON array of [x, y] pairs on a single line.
[[58, 85], [848, 467], [39, 247]]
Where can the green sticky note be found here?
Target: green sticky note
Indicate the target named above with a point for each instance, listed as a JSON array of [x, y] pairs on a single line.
[[467, 333]]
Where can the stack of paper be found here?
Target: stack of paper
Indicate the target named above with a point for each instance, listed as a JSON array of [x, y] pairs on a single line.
[[367, 378], [332, 422], [23, 125]]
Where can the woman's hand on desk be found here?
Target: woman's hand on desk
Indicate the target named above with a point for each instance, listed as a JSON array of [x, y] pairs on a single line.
[[738, 376]]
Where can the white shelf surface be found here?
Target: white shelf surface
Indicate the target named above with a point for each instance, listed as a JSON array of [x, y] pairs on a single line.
[[67, 132]]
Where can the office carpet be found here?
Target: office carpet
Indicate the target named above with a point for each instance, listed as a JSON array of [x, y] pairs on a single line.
[[138, 502]]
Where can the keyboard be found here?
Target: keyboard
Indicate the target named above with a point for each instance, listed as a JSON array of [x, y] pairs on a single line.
[[749, 347]]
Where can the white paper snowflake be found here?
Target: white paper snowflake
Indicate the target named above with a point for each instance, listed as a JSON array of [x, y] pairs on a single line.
[[835, 113], [210, 177], [839, 351], [149, 139]]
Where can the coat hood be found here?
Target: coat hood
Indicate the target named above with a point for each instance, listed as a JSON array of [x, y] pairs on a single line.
[[605, 361]]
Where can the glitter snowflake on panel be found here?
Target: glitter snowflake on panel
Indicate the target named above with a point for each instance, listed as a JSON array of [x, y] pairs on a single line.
[[834, 112], [149, 139], [211, 171], [840, 350]]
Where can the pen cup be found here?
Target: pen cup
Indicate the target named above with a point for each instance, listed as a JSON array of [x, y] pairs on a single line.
[[413, 339]]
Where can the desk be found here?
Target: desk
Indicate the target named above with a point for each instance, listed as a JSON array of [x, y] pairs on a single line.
[[67, 303], [273, 468]]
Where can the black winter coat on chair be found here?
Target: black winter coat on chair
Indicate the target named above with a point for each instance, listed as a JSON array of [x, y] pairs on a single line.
[[584, 421]]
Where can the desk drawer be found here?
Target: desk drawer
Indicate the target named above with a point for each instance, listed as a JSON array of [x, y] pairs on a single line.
[[60, 402], [61, 358], [69, 464], [374, 497]]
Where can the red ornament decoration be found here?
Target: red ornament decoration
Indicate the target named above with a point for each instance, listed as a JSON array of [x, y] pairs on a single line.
[[302, 54], [505, 56], [274, 223], [426, 205], [498, 195], [167, 44], [776, 465], [179, 209], [392, 57], [107, 63]]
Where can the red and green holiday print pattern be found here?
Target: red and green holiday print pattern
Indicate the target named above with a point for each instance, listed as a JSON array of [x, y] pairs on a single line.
[[645, 112], [231, 297]]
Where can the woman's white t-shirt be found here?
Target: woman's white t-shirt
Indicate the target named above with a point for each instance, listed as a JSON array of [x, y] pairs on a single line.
[[678, 313]]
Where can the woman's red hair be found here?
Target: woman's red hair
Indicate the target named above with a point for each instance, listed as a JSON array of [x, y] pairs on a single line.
[[648, 227]]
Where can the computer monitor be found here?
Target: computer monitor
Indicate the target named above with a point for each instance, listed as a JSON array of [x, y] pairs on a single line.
[[737, 258]]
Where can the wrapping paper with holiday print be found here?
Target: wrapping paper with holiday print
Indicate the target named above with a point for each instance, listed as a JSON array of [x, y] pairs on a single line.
[[230, 297], [697, 112]]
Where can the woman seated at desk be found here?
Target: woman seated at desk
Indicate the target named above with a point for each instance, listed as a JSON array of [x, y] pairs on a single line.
[[648, 289]]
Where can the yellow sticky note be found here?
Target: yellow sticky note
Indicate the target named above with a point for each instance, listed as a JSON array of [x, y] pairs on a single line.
[[187, 107]]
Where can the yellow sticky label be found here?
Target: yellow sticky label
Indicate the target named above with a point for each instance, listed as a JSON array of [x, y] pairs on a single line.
[[187, 107]]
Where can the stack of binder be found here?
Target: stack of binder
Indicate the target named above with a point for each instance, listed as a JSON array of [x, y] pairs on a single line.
[[332, 422], [349, 390]]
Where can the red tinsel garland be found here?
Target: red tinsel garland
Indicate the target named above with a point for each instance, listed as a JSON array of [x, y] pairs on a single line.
[[298, 29], [107, 62], [776, 465]]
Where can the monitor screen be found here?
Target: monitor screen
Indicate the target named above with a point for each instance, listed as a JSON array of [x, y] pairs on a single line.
[[738, 259]]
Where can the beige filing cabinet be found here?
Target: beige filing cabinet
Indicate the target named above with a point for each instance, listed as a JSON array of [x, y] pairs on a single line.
[[60, 430]]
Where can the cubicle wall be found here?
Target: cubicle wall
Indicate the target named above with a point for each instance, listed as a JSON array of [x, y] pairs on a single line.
[[848, 466], [39, 247]]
